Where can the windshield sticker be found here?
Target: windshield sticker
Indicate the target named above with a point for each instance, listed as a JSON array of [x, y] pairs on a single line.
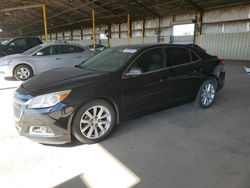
[[129, 50]]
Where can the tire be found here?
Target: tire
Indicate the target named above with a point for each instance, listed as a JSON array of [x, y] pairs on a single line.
[[207, 92], [23, 72], [87, 124]]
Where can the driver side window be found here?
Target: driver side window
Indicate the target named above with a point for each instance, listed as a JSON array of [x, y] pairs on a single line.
[[149, 61], [19, 43]]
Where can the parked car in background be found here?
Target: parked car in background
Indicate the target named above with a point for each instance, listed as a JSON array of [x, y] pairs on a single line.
[[99, 47], [18, 45], [87, 101], [42, 58]]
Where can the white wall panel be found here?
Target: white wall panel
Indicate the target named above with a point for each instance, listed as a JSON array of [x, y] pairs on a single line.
[[151, 23], [182, 17], [137, 25], [114, 35], [114, 27], [136, 33], [241, 12], [227, 46], [166, 21], [117, 42], [226, 27]]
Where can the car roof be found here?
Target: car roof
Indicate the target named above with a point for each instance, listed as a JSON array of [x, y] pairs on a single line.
[[59, 43], [143, 46], [24, 38]]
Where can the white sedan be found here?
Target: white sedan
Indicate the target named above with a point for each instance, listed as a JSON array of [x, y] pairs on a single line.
[[42, 58]]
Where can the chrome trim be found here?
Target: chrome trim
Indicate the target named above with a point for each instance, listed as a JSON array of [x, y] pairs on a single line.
[[165, 68], [18, 105]]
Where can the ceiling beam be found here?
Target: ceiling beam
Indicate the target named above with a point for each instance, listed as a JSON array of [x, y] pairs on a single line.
[[21, 8], [147, 8], [73, 8], [195, 5], [106, 9]]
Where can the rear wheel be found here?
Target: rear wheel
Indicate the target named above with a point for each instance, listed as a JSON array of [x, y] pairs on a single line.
[[23, 72], [207, 93], [93, 122]]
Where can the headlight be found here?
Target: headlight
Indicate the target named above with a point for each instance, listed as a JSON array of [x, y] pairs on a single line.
[[48, 100]]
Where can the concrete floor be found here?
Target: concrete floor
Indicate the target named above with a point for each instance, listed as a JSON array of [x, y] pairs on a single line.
[[179, 147]]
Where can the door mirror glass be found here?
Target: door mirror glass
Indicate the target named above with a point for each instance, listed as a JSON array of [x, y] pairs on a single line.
[[39, 53], [134, 71]]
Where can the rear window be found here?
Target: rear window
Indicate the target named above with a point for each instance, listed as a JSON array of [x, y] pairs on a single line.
[[201, 52], [177, 56], [32, 42], [67, 49], [194, 56]]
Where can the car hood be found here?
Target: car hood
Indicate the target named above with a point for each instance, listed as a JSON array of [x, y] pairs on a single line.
[[10, 57], [60, 79]]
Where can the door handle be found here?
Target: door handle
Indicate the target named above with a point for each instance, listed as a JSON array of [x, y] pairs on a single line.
[[197, 70], [79, 57], [58, 58], [162, 80]]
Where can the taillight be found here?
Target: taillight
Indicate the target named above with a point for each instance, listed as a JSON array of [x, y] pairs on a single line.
[[221, 62]]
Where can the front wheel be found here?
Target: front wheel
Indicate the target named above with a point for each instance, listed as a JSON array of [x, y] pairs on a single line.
[[23, 72], [207, 93], [93, 122]]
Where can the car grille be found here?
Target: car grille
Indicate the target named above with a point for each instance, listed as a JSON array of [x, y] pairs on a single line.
[[18, 109]]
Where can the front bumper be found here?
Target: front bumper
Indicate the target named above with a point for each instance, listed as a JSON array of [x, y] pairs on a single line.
[[7, 70], [54, 119]]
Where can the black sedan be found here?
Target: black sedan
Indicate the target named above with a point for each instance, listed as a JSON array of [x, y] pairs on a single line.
[[89, 100]]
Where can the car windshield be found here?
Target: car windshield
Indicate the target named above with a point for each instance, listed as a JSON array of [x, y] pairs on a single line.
[[109, 60], [5, 42], [32, 50]]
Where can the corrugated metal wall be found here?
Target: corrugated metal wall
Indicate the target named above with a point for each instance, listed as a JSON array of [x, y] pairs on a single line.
[[226, 32], [227, 45]]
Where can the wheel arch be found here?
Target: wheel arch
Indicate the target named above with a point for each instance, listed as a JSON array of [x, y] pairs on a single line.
[[213, 76], [114, 105], [26, 64], [111, 102]]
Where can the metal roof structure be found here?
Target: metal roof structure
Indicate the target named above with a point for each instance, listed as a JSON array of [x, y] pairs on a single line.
[[17, 18]]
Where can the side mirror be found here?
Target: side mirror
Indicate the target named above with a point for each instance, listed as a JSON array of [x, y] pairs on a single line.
[[39, 53], [12, 44], [134, 71]]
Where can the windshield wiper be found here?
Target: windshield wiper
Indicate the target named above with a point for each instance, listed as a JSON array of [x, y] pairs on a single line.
[[84, 67]]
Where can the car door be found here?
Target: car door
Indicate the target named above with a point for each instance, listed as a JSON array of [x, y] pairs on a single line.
[[143, 82], [47, 58], [184, 73], [73, 55]]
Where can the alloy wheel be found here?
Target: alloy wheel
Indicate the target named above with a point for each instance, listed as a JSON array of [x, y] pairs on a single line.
[[23, 73], [207, 94], [95, 122]]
